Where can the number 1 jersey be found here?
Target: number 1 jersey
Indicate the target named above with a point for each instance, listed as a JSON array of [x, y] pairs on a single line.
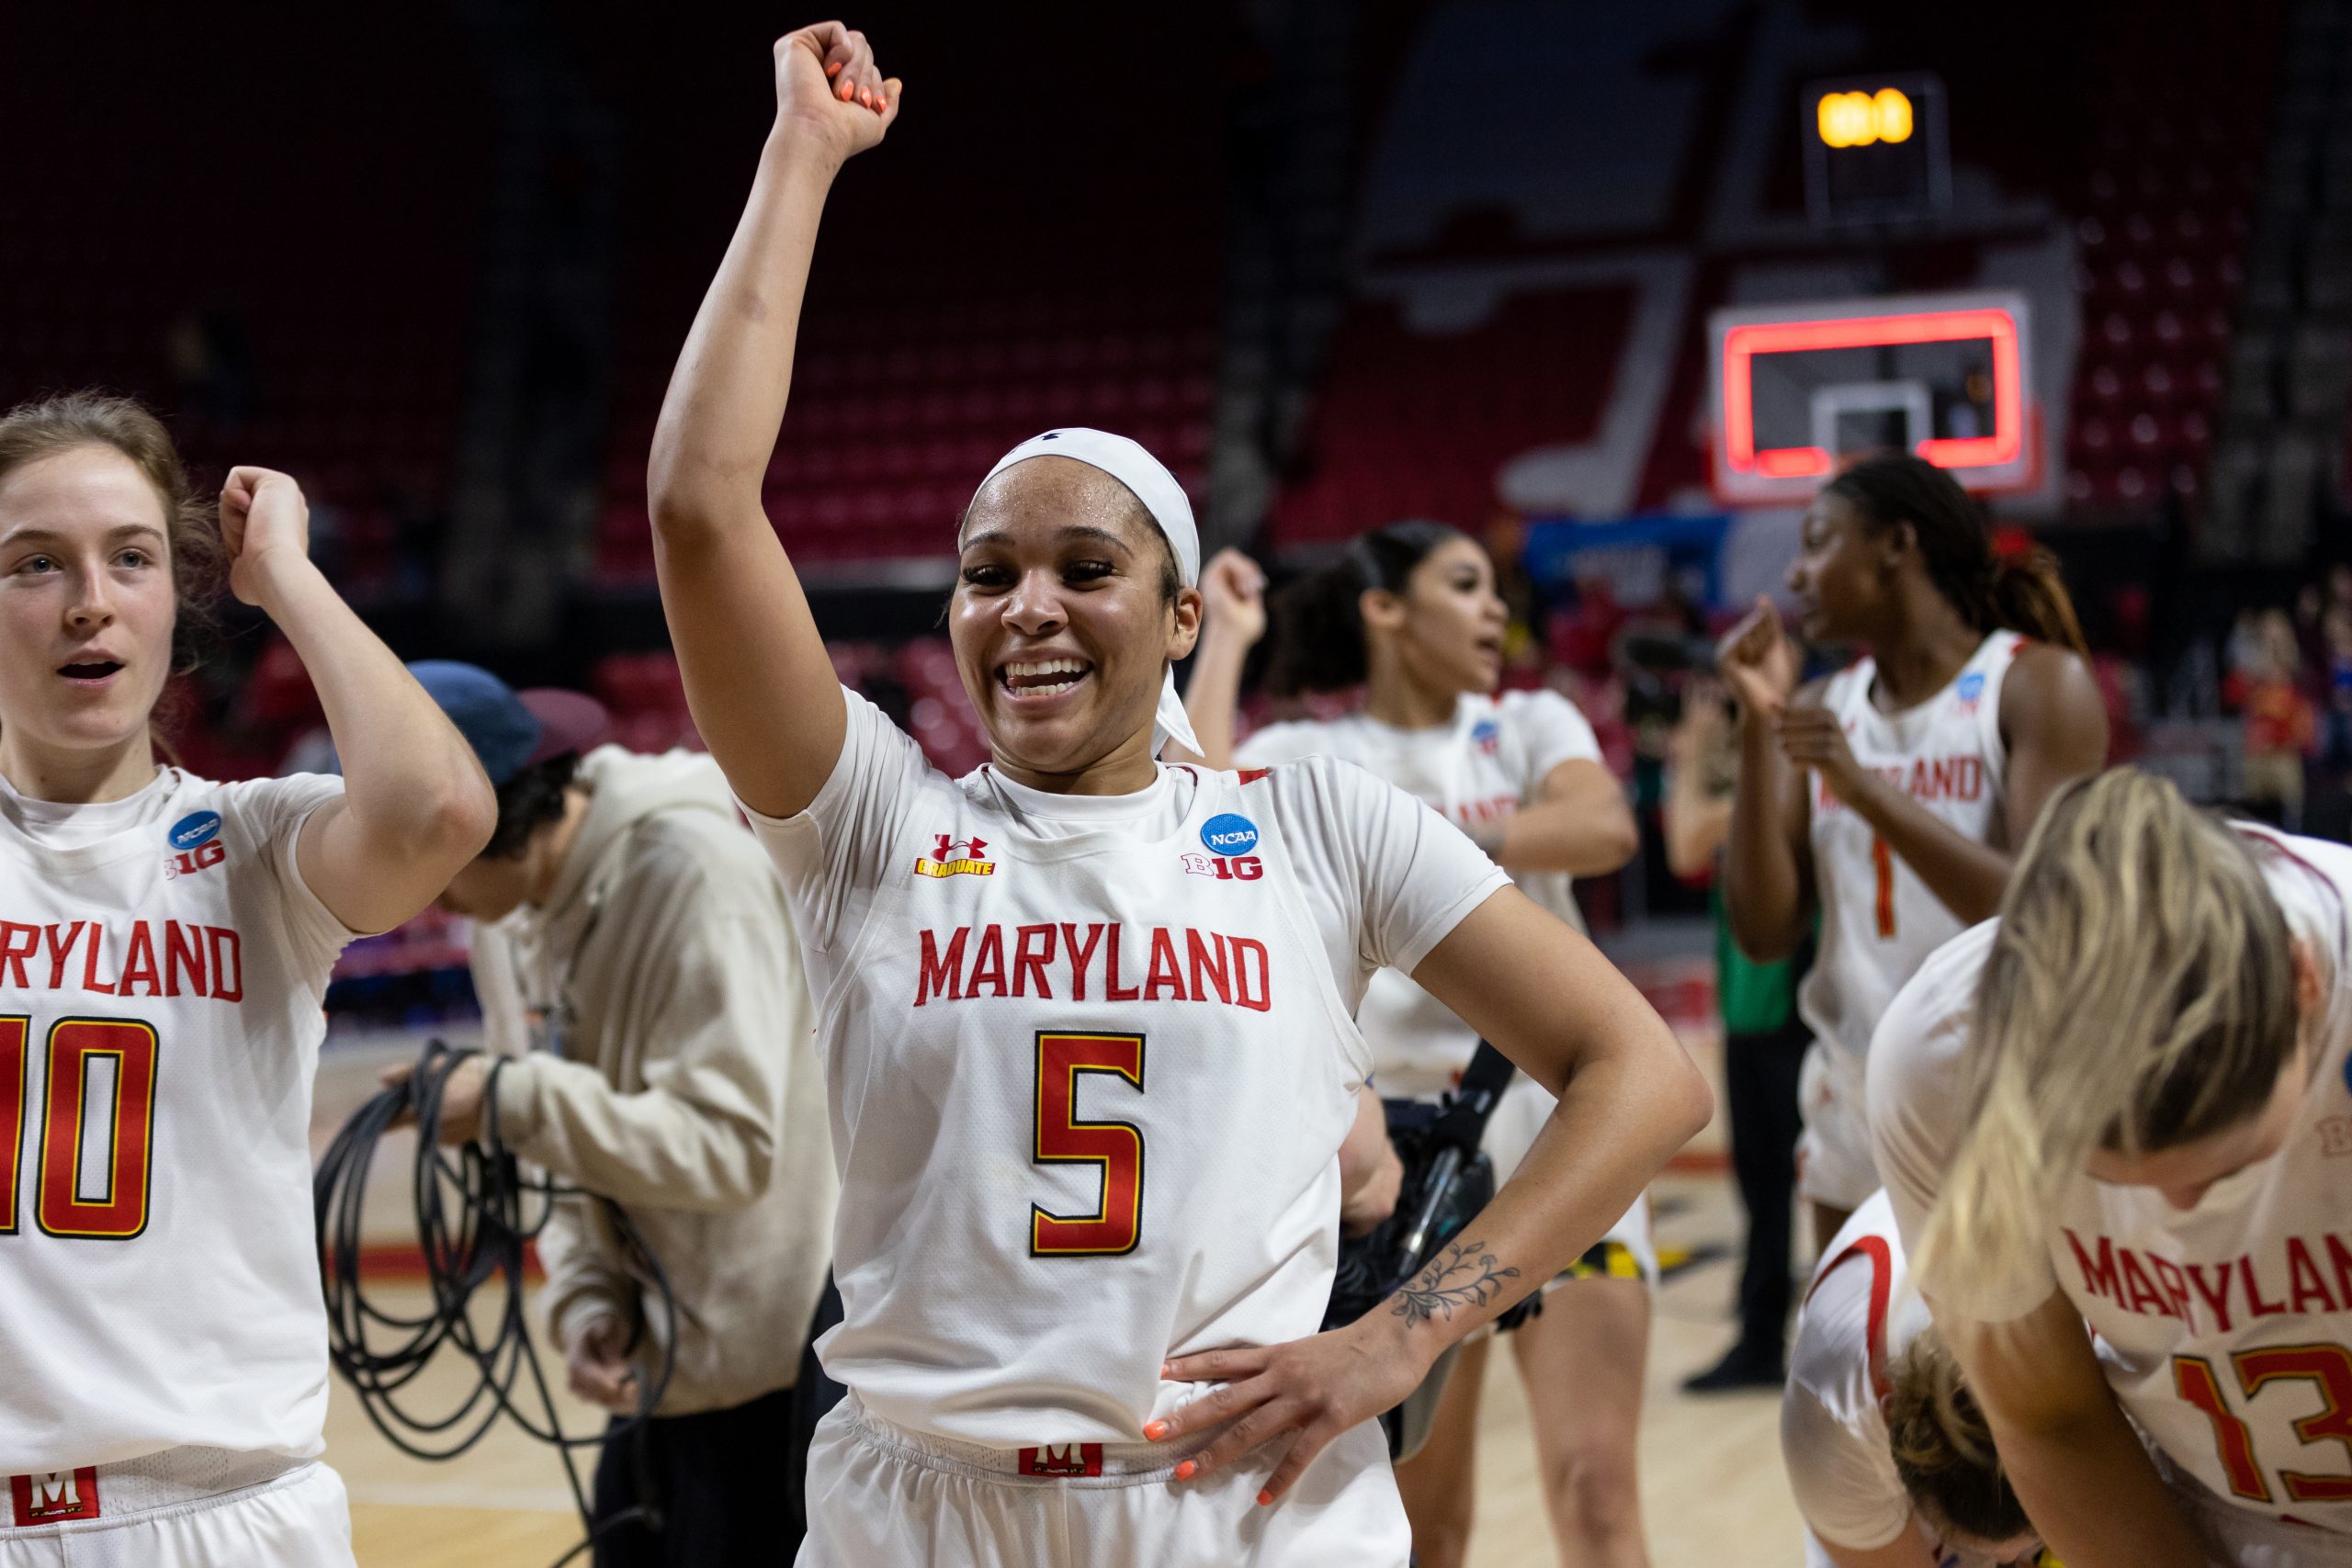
[[1090, 1063], [161, 966]]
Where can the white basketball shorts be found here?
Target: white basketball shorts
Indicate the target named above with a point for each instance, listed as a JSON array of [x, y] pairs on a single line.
[[168, 1511], [880, 1494], [1835, 1165]]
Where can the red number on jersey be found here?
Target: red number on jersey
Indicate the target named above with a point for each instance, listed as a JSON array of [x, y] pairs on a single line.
[[2327, 1367], [1118, 1146], [1882, 859], [13, 1034]]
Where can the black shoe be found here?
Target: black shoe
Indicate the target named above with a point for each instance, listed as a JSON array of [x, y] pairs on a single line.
[[1741, 1371]]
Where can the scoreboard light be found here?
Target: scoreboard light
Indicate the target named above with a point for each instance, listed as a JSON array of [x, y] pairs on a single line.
[[1875, 149]]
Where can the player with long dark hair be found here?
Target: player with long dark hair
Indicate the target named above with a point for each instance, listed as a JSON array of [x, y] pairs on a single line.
[[1086, 1016], [1410, 614], [164, 945], [1890, 798]]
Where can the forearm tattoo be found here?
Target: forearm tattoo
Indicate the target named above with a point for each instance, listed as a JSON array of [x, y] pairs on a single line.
[[1462, 1276]]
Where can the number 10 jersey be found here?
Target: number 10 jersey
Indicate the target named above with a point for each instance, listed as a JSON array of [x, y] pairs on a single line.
[[161, 966]]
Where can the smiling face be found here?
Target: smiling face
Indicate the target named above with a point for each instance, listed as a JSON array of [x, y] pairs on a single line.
[[1445, 630], [86, 603], [1061, 623], [1840, 572]]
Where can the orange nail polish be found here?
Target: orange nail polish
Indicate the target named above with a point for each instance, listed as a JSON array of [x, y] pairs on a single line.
[[835, 68], [1265, 1499], [846, 91], [1156, 1430], [1185, 1471]]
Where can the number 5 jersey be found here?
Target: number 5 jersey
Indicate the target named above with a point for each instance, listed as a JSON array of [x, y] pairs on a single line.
[[162, 965], [1089, 1062]]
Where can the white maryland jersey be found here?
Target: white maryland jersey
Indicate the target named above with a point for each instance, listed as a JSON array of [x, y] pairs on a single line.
[[2228, 1326], [1833, 1426], [161, 968], [1090, 1063], [1878, 919], [1490, 761]]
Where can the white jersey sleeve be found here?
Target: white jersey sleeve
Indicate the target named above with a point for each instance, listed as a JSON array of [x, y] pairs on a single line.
[[278, 809], [1918, 1096], [1382, 869], [833, 854], [1550, 730], [1832, 1435]]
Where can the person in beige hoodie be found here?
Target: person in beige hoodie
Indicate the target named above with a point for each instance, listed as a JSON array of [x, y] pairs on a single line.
[[641, 992]]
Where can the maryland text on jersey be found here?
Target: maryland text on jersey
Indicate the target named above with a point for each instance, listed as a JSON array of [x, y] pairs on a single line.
[[1072, 962], [1921, 778], [135, 958], [2304, 1274]]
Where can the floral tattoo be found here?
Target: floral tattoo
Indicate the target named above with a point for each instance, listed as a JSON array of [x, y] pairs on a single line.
[[1463, 1277]]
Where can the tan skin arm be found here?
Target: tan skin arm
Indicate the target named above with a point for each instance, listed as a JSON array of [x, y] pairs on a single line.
[[1370, 1175], [415, 805], [1580, 823], [1768, 862], [1233, 617], [759, 683], [1629, 1097], [1696, 823], [2077, 1466]]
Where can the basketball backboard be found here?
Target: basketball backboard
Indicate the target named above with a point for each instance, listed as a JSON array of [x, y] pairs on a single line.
[[1802, 389]]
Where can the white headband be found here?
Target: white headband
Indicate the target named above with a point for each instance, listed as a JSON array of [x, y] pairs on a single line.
[[1152, 484]]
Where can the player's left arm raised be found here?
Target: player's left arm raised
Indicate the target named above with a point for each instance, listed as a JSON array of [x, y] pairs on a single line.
[[1578, 823], [2054, 727], [415, 805], [1629, 1098]]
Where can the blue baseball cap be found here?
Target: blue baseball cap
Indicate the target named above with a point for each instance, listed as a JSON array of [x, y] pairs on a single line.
[[509, 730]]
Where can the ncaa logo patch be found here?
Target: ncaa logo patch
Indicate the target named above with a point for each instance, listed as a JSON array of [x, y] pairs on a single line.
[[196, 828], [1971, 688], [1486, 736], [1228, 834]]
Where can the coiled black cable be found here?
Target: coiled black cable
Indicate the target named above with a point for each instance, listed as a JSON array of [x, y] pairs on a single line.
[[475, 1210]]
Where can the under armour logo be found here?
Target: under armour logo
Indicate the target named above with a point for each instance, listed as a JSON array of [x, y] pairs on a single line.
[[973, 848]]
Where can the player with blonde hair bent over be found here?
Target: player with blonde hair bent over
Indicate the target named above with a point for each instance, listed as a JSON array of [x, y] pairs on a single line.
[[2122, 1111], [1085, 1017], [165, 946], [1886, 1449]]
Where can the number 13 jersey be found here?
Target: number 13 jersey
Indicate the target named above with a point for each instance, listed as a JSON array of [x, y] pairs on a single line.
[[1090, 1063], [161, 966]]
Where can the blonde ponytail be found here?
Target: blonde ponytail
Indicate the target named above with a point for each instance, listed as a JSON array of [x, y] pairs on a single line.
[[2139, 994]]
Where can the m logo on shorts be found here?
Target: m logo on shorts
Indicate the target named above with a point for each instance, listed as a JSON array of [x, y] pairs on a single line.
[[55, 1497], [1063, 1458]]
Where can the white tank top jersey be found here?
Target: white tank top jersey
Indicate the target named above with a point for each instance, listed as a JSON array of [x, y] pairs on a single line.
[[2228, 1326], [162, 970], [1833, 1428], [1489, 761], [1878, 919], [1090, 1061]]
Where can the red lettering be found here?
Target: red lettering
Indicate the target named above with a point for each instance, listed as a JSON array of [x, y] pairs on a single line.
[[1197, 952], [2339, 1257], [2097, 1279], [224, 941], [1249, 868], [2219, 1300], [2175, 1286], [987, 963], [2253, 1302], [90, 981], [1027, 964], [18, 942], [184, 954], [140, 966], [59, 953], [1166, 972], [2303, 1279], [1943, 774], [1971, 777], [941, 976], [1079, 957], [2142, 1289], [1262, 999], [1112, 989]]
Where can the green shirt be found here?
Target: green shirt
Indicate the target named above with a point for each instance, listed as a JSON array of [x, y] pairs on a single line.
[[1755, 998]]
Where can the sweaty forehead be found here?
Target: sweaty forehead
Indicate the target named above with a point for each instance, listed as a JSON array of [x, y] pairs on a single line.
[[1044, 495]]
